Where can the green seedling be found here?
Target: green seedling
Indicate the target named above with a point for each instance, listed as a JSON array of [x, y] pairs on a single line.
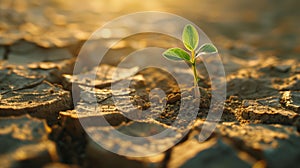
[[190, 39]]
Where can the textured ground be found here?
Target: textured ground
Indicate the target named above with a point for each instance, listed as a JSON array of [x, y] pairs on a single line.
[[39, 123]]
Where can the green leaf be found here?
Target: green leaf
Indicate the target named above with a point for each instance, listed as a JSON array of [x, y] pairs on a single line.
[[176, 54], [190, 37], [207, 48]]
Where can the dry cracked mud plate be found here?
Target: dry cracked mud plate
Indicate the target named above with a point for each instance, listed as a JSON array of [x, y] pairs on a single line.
[[235, 145], [257, 113], [52, 71], [291, 100], [23, 52], [22, 93], [119, 144], [101, 76], [25, 143]]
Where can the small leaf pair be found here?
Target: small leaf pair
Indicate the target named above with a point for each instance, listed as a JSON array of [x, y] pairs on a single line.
[[190, 39]]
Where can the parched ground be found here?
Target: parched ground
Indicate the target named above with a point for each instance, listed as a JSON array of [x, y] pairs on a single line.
[[40, 122]]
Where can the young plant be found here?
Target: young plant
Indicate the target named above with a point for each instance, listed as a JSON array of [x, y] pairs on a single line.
[[190, 39]]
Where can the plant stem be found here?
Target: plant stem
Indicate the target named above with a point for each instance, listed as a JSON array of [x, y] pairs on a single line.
[[194, 69]]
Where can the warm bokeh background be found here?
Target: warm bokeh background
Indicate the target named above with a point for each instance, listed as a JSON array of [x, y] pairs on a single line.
[[267, 23]]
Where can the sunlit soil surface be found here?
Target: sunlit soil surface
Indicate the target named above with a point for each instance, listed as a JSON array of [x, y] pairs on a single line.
[[40, 123]]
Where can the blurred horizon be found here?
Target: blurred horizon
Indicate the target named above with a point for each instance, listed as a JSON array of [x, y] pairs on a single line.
[[271, 25]]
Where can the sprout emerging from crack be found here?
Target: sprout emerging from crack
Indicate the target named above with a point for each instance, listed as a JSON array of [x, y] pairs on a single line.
[[190, 39]]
